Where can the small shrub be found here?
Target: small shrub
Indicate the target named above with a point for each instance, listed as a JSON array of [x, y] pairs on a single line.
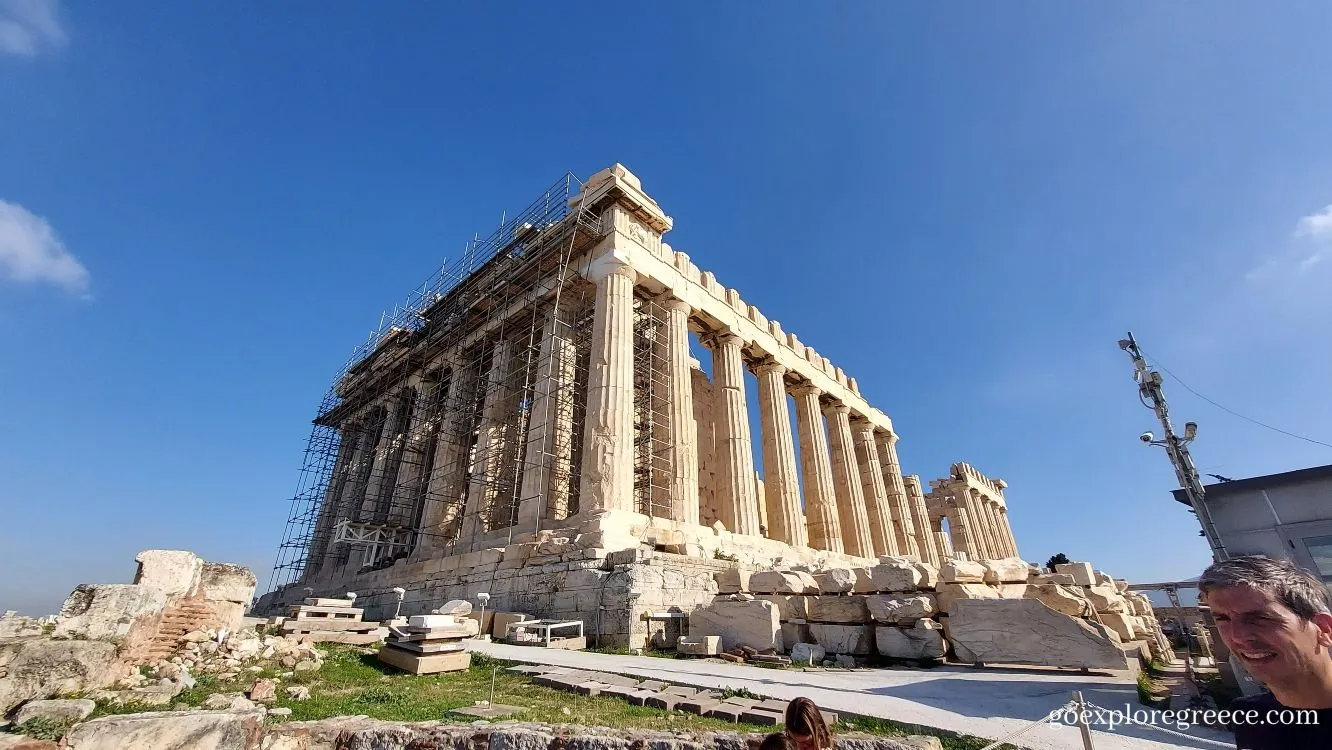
[[44, 728], [719, 555]]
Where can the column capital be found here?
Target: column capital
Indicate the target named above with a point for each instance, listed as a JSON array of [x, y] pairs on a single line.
[[888, 435], [677, 305], [836, 408], [769, 366], [806, 389], [717, 339], [610, 264]]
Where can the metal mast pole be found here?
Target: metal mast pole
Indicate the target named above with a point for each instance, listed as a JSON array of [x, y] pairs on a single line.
[[1149, 390]]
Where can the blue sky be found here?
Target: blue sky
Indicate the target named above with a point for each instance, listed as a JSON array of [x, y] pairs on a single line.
[[204, 208]]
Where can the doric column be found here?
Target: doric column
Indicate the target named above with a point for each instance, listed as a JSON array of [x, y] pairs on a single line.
[[549, 450], [999, 545], [607, 472], [981, 530], [387, 451], [959, 527], [736, 494], [413, 466], [899, 504], [920, 520], [825, 530], [876, 494], [943, 546], [444, 495], [781, 490], [1008, 531], [483, 488], [856, 538], [684, 429]]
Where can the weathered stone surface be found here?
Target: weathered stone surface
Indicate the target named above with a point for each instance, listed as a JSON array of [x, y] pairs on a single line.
[[951, 592], [864, 581], [962, 571], [174, 572], [1106, 600], [227, 582], [21, 742], [1006, 570], [108, 610], [1103, 579], [1025, 631], [902, 610], [844, 639], [783, 582], [732, 580], [699, 645], [1010, 590], [172, 730], [1082, 573], [1122, 624], [893, 575], [840, 609], [66, 710], [1062, 599], [929, 575], [1063, 579], [789, 606], [298, 692], [455, 607], [37, 668], [228, 702], [922, 641], [754, 623], [836, 580], [811, 654], [263, 691]]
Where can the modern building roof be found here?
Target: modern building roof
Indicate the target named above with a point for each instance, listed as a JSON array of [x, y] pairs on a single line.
[[1221, 489]]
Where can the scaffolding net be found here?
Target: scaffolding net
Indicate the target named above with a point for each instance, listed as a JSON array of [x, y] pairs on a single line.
[[461, 415]]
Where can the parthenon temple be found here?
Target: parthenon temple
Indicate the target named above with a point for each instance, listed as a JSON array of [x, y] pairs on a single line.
[[573, 390]]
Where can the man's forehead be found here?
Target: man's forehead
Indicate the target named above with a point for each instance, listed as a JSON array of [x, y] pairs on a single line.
[[1241, 599]]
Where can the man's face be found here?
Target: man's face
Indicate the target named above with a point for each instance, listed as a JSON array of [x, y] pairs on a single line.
[[1273, 643]]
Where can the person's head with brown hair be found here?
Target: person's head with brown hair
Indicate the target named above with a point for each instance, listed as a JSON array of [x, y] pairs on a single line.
[[777, 741], [805, 725]]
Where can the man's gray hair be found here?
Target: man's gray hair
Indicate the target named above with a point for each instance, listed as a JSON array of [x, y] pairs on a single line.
[[1288, 583]]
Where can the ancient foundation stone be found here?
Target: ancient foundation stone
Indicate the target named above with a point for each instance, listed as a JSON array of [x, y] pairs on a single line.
[[902, 610], [732, 581], [783, 582], [894, 575], [842, 609], [811, 654], [1106, 599], [962, 571], [922, 641], [67, 710], [836, 580], [36, 668], [227, 582], [1082, 573], [857, 640], [1063, 599], [753, 623], [789, 606], [1025, 631], [949, 593]]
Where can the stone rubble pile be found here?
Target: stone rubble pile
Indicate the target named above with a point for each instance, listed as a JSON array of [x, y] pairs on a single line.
[[905, 609]]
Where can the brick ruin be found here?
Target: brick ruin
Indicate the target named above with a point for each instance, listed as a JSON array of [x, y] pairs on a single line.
[[533, 423]]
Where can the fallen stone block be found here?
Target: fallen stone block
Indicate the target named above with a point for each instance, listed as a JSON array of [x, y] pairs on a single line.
[[1025, 631], [949, 593], [902, 610], [173, 572], [964, 571], [844, 639], [762, 717], [727, 712], [783, 582], [922, 641], [732, 581], [836, 580], [811, 654], [37, 668], [664, 701], [698, 645], [699, 704], [1006, 570], [836, 609], [109, 610], [1082, 573], [1062, 579], [789, 606], [1063, 599], [455, 607], [1106, 599], [753, 623], [894, 575], [169, 730], [227, 582], [864, 581]]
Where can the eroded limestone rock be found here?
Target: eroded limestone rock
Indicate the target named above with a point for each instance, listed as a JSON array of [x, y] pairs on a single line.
[[174, 572], [1006, 570], [108, 610], [170, 730], [1025, 631], [844, 639], [924, 640], [962, 571], [896, 575], [36, 668], [902, 610], [754, 623], [1063, 599]]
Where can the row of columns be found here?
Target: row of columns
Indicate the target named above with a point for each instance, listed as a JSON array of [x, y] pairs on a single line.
[[854, 497], [979, 525]]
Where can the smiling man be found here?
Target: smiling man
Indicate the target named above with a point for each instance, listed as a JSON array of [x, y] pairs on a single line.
[[1274, 617]]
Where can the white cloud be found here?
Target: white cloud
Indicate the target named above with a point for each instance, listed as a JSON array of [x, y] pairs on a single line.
[[28, 27], [1316, 226], [30, 252]]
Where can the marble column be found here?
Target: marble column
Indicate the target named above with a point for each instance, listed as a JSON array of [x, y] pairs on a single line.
[[920, 520], [483, 487], [683, 439], [985, 530], [825, 530], [876, 493], [999, 543], [607, 472], [549, 450], [856, 538], [413, 466], [781, 488], [943, 546], [899, 503], [736, 495], [960, 528], [1008, 531], [447, 487], [379, 485]]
